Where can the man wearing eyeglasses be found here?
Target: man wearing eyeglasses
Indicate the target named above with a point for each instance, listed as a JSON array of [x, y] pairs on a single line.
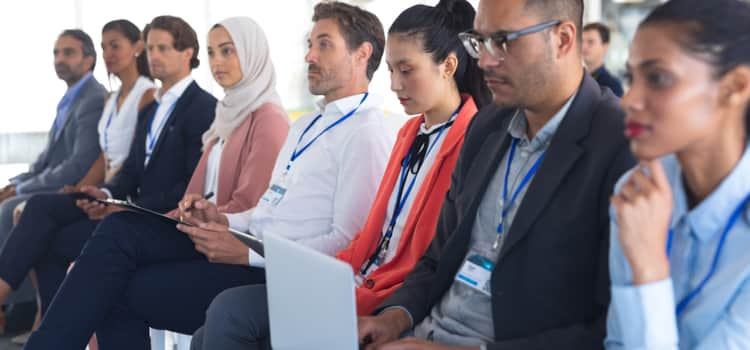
[[519, 259]]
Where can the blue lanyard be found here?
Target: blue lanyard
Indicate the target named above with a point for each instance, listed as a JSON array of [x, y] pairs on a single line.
[[299, 151], [106, 127], [401, 200], [152, 137], [506, 205], [682, 305], [385, 240]]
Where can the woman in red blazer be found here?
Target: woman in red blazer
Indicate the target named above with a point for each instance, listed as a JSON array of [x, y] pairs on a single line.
[[432, 76]]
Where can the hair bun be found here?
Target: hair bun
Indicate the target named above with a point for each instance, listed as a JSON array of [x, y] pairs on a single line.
[[447, 5], [461, 13]]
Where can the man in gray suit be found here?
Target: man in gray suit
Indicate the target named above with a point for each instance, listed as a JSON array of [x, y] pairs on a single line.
[[73, 144]]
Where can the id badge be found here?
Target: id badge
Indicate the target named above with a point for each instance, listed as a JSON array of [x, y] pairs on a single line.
[[476, 273], [274, 195]]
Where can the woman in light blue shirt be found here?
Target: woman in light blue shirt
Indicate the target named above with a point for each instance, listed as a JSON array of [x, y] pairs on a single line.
[[679, 258]]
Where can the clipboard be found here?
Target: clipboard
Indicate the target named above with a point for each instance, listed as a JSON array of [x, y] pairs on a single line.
[[252, 242]]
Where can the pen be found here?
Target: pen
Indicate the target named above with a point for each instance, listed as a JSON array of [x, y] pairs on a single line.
[[206, 196]]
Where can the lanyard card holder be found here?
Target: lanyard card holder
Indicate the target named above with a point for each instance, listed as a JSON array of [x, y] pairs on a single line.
[[476, 273]]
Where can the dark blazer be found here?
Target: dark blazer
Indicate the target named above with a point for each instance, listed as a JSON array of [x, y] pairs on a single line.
[[550, 286], [67, 158], [161, 184], [606, 79]]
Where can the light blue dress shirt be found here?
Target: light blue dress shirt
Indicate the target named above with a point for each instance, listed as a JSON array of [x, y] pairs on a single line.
[[66, 102], [644, 317]]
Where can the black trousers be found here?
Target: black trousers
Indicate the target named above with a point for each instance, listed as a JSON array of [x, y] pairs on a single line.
[[236, 320], [49, 236], [135, 272]]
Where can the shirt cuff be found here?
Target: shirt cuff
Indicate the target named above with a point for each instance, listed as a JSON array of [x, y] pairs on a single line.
[[399, 307], [239, 221], [19, 187], [107, 192], [646, 315], [255, 259]]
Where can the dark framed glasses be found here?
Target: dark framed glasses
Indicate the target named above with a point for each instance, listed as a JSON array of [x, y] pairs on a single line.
[[497, 43]]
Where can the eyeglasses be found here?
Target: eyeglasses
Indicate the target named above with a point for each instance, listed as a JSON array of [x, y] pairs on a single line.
[[497, 43]]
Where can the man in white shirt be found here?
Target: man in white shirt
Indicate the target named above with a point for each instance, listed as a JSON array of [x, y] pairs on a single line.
[[322, 186]]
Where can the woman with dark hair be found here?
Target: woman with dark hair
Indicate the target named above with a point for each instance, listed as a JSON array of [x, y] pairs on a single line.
[[435, 79], [124, 56], [122, 51], [679, 265]]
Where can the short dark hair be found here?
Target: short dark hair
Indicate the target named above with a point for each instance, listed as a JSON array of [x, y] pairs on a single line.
[[357, 26], [437, 28], [183, 35], [87, 45], [564, 10], [601, 28], [717, 32], [131, 32]]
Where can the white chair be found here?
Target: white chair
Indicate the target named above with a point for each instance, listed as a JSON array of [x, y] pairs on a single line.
[[166, 340]]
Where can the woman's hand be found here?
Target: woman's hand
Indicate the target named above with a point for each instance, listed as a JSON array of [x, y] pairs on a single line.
[[643, 208]]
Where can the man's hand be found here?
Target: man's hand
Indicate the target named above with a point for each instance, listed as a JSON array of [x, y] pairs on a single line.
[[419, 344], [194, 209], [7, 192], [96, 210], [68, 189], [375, 331], [17, 212], [215, 242]]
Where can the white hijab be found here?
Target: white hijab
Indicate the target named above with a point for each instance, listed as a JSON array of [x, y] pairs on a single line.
[[258, 83]]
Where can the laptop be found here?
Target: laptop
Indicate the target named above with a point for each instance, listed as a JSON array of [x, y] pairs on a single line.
[[311, 300]]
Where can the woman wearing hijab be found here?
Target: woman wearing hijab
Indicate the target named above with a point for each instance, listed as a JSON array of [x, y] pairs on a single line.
[[170, 282]]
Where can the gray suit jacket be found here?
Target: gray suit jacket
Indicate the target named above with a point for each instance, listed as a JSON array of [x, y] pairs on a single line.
[[67, 158]]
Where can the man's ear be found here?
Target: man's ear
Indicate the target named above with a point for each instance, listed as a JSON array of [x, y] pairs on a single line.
[[188, 54], [363, 53], [89, 62], [565, 38]]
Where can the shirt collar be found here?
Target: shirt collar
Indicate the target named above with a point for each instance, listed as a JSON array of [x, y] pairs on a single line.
[[518, 125], [344, 105], [175, 91], [712, 214], [73, 91], [424, 130]]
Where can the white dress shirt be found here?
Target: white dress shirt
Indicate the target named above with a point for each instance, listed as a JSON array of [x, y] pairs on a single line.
[[166, 103], [211, 184], [166, 106], [117, 127], [331, 186]]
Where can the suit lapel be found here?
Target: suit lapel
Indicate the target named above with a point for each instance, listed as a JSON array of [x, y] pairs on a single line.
[[562, 154], [69, 113], [483, 169]]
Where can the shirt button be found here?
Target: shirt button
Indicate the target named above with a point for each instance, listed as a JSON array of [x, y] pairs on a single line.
[[369, 283]]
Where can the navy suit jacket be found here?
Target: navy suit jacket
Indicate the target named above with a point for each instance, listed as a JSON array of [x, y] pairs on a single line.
[[550, 286], [606, 79], [162, 183]]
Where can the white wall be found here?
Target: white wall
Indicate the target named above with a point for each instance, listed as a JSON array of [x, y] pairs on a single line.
[[30, 90]]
